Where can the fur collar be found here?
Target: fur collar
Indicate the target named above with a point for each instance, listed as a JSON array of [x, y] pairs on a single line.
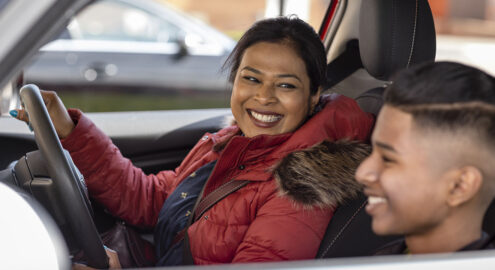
[[322, 175]]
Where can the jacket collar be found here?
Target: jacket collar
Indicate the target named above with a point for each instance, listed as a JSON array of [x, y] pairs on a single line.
[[314, 130], [322, 175], [308, 173]]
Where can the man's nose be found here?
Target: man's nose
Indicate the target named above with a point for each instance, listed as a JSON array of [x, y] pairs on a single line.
[[367, 171]]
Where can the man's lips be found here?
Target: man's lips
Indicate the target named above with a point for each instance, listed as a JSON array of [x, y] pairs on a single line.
[[374, 203], [375, 200], [264, 119]]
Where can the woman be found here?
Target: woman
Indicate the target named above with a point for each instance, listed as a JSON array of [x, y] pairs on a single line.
[[277, 69]]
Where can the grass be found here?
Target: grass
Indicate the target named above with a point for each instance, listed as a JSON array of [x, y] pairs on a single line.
[[113, 101]]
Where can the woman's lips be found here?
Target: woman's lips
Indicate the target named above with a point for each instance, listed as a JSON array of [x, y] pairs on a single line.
[[264, 119]]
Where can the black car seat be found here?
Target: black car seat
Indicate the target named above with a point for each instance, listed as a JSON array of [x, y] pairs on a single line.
[[391, 41], [393, 34]]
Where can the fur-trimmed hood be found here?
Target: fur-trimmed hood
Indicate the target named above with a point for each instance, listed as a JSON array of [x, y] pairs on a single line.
[[322, 175]]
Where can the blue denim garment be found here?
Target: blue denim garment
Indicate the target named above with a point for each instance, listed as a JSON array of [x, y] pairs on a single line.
[[175, 213]]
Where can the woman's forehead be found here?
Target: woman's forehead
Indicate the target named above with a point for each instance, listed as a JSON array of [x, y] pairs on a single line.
[[273, 57]]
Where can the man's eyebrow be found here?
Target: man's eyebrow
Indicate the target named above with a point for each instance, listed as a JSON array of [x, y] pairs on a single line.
[[385, 146]]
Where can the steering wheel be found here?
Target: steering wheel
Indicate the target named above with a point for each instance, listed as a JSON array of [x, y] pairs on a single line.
[[71, 197]]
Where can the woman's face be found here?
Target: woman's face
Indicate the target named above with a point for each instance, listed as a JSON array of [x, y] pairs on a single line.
[[271, 90]]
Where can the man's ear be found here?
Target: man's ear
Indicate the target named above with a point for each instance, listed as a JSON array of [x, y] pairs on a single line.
[[464, 186]]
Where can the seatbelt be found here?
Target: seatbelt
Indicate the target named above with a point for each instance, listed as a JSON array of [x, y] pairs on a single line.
[[344, 65], [202, 205]]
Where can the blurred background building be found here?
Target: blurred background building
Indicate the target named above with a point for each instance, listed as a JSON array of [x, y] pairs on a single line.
[[452, 17], [239, 20], [464, 17], [465, 28]]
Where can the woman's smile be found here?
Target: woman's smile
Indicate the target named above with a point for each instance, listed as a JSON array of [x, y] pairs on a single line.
[[271, 92], [264, 119]]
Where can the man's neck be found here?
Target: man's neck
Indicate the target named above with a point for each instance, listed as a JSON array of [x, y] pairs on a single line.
[[450, 236]]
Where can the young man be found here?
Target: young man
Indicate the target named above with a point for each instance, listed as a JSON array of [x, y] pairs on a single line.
[[431, 175]]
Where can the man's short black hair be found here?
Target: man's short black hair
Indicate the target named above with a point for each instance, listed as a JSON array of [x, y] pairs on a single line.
[[440, 83], [447, 97]]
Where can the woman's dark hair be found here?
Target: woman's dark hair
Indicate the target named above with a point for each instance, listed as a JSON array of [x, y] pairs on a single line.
[[295, 32]]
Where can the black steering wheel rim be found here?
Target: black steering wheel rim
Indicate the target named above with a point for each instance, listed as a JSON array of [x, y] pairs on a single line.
[[66, 183]]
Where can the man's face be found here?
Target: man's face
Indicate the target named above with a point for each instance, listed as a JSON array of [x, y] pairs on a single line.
[[403, 178]]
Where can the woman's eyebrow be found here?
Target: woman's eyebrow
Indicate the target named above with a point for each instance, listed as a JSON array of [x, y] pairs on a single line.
[[251, 69], [280, 75], [289, 76]]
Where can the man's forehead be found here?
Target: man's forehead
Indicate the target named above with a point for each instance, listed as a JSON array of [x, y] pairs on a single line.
[[397, 130], [393, 128]]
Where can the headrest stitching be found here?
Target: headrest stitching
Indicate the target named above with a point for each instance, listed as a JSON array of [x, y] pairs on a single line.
[[394, 19], [414, 34]]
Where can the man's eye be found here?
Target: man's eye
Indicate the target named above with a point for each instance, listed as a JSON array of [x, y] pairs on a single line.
[[251, 79], [385, 159]]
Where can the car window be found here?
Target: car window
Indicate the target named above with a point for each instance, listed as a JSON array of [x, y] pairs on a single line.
[[466, 32], [3, 3], [127, 23], [127, 55]]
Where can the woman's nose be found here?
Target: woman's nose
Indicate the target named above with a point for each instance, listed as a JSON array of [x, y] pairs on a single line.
[[265, 94], [367, 172]]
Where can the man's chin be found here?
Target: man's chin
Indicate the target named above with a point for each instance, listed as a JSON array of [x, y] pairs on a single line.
[[382, 229]]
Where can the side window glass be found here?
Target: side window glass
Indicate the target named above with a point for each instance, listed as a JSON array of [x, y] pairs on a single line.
[[127, 23], [465, 32], [143, 55]]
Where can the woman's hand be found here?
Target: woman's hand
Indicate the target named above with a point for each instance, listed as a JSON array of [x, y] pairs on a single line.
[[58, 113], [113, 261]]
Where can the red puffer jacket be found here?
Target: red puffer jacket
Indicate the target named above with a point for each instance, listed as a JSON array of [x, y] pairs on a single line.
[[256, 223]]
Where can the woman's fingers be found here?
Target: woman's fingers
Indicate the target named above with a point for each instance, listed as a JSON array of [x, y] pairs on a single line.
[[22, 115], [113, 259], [58, 113], [19, 114]]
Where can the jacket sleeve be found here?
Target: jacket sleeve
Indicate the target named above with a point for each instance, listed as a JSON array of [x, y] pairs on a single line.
[[113, 180], [283, 231]]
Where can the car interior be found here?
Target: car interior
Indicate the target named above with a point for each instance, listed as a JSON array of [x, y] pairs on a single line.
[[389, 42], [367, 42]]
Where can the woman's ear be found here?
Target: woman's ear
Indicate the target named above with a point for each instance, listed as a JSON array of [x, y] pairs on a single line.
[[464, 186], [314, 100]]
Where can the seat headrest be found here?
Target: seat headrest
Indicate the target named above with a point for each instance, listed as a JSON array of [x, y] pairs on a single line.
[[395, 34]]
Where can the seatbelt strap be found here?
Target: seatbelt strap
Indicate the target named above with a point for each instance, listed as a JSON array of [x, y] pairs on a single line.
[[344, 65], [217, 195], [200, 208]]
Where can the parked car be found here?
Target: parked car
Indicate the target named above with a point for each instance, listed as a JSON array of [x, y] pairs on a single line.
[[116, 49], [159, 140]]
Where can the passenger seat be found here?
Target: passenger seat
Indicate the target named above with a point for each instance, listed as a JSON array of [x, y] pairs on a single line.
[[393, 34]]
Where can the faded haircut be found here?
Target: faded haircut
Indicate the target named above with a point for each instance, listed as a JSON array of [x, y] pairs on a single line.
[[447, 96], [451, 98]]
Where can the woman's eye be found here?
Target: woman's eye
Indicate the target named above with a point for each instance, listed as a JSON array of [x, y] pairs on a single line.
[[287, 85], [251, 79]]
